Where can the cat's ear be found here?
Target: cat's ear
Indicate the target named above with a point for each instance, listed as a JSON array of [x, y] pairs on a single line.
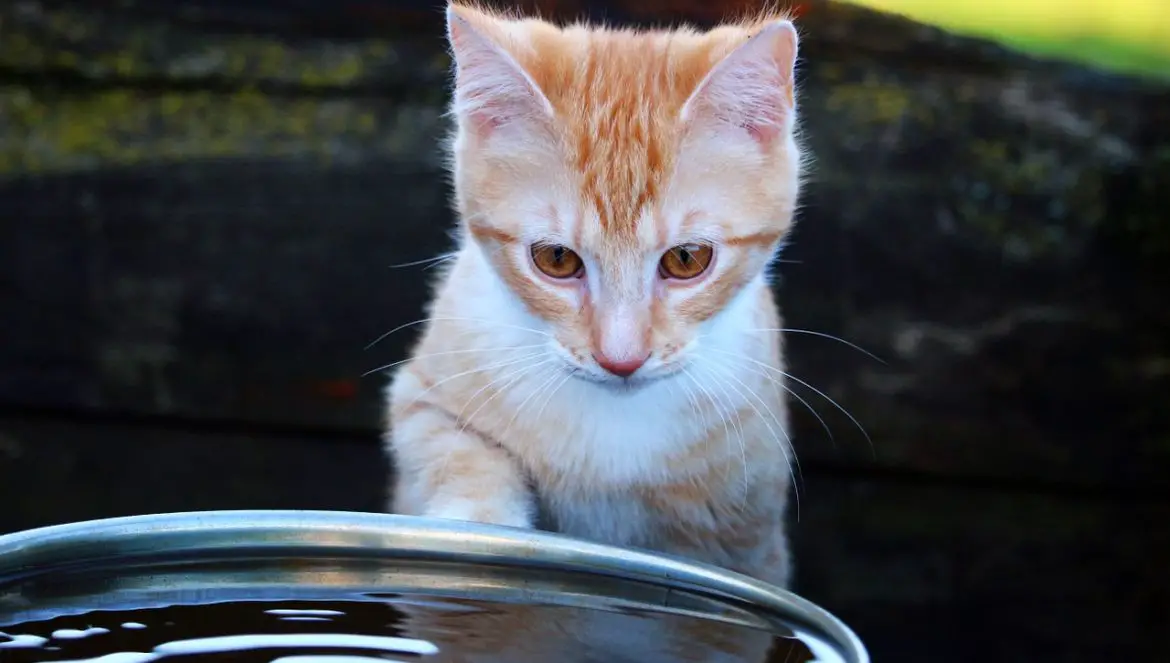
[[493, 93], [751, 89]]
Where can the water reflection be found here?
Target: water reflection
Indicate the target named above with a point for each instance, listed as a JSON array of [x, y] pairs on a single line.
[[534, 634]]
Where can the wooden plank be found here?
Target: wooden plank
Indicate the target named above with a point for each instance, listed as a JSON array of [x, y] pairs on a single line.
[[926, 572], [223, 252], [155, 285]]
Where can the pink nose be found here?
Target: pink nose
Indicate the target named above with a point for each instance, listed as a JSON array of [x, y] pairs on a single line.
[[623, 368]]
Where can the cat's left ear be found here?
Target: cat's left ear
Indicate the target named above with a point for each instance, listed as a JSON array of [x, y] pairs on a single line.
[[751, 89]]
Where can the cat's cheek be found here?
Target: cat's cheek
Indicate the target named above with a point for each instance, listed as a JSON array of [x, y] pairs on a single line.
[[509, 513]]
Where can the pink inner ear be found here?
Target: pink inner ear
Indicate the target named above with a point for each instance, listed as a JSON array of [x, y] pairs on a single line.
[[485, 114], [751, 89], [491, 89]]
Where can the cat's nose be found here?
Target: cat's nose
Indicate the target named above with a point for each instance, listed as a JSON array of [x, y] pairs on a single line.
[[623, 368]]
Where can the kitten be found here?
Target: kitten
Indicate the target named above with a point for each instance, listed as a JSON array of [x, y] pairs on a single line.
[[601, 356]]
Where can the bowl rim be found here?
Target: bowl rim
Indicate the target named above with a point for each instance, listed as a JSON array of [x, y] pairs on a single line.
[[161, 536]]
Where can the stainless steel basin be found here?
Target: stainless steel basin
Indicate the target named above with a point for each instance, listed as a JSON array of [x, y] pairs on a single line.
[[603, 595]]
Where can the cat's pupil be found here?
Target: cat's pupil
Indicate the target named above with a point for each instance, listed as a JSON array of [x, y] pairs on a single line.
[[684, 256], [559, 253]]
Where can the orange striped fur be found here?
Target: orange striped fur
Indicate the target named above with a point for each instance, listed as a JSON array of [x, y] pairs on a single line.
[[622, 402]]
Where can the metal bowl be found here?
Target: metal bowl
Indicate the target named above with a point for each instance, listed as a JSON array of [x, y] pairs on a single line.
[[199, 558]]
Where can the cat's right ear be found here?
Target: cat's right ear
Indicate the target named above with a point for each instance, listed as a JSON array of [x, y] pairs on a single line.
[[493, 93], [751, 91]]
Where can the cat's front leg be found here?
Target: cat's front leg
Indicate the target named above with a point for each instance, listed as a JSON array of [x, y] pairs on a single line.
[[443, 470]]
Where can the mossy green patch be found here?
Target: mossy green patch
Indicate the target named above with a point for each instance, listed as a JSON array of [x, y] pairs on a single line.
[[53, 133], [97, 45]]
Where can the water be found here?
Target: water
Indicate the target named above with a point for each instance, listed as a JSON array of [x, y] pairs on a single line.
[[395, 627]]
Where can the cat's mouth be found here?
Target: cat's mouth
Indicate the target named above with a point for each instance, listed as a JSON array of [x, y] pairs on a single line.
[[629, 384], [613, 382]]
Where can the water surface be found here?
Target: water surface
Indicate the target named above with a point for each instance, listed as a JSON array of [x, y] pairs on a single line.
[[396, 627]]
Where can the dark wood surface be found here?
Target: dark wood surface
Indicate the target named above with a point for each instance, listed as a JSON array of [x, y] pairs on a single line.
[[202, 204]]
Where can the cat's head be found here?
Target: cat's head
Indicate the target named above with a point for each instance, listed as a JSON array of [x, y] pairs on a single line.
[[626, 186]]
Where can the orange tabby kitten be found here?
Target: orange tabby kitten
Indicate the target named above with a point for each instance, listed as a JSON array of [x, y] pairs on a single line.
[[595, 358]]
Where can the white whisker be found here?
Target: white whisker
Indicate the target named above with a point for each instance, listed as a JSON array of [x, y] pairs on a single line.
[[568, 375], [489, 367], [776, 382], [715, 404], [791, 330], [456, 319], [515, 376], [727, 429], [426, 261], [538, 389], [437, 263], [786, 447], [692, 399], [449, 352], [809, 386]]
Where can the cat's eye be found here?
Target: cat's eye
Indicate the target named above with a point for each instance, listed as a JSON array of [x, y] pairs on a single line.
[[686, 261], [557, 261]]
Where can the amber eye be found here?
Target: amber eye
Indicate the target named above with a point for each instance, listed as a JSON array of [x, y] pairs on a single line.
[[557, 261], [686, 261]]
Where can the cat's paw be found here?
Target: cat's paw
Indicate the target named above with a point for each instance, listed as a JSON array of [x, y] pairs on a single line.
[[481, 512]]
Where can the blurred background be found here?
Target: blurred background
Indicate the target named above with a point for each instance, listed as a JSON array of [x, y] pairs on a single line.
[[203, 203]]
